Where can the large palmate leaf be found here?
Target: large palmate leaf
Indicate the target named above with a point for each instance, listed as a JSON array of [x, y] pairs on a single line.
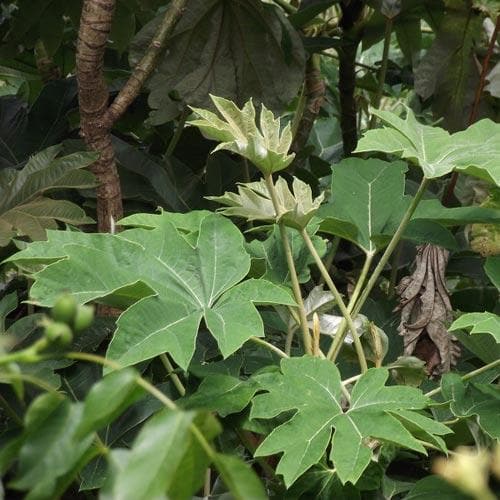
[[480, 401], [234, 49], [366, 195], [24, 211], [169, 284], [475, 151], [312, 388]]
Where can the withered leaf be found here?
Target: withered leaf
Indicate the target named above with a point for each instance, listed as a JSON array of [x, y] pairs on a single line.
[[426, 311]]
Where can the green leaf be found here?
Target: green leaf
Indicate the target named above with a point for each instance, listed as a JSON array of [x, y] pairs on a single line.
[[475, 151], [223, 394], [171, 286], [107, 399], [241, 480], [360, 193], [253, 202], [270, 253], [435, 488], [481, 401], [484, 322], [233, 49], [23, 209], [148, 469], [306, 14], [265, 145], [51, 448], [312, 387], [492, 269]]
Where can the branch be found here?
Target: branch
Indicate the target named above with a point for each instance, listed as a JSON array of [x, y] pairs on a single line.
[[147, 64]]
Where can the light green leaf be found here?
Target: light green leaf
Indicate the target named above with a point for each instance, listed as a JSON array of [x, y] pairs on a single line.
[[311, 386], [253, 202], [475, 151], [266, 145], [492, 268], [360, 193], [148, 469], [481, 322], [167, 285], [481, 401]]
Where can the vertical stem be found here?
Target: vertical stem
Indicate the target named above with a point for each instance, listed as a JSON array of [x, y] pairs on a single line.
[[330, 256], [383, 70], [178, 132], [171, 373], [338, 298], [306, 338], [339, 338]]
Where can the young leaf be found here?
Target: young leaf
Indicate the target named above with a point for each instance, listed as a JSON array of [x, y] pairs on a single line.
[[265, 146], [253, 202], [475, 151], [311, 386], [171, 284], [361, 190]]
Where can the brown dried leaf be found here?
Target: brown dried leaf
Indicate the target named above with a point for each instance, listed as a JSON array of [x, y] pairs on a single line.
[[426, 311]]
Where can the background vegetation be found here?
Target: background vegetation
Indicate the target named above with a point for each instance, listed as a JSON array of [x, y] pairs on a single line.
[[326, 332]]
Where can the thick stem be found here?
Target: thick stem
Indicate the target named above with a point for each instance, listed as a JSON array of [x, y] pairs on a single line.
[[95, 25], [314, 93], [338, 298], [269, 346], [383, 70], [351, 37], [306, 338], [147, 64], [339, 338]]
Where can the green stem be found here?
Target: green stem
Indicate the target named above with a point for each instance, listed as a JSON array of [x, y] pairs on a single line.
[[306, 338], [10, 411], [394, 270], [339, 337], [171, 373], [269, 346], [151, 389], [338, 298], [30, 380], [330, 256], [383, 70], [178, 132], [468, 376]]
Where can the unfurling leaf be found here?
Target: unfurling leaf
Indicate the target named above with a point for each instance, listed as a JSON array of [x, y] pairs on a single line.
[[253, 202], [475, 151], [312, 388], [426, 311], [266, 145]]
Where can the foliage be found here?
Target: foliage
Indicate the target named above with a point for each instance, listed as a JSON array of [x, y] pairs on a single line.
[[328, 332]]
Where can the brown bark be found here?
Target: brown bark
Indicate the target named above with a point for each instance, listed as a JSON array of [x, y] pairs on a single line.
[[315, 95], [96, 116], [351, 36], [93, 95]]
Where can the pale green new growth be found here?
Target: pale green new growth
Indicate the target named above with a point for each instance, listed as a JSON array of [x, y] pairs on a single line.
[[475, 151], [253, 202], [266, 145]]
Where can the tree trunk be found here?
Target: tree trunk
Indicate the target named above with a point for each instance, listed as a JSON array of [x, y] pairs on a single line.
[[93, 95], [351, 37]]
